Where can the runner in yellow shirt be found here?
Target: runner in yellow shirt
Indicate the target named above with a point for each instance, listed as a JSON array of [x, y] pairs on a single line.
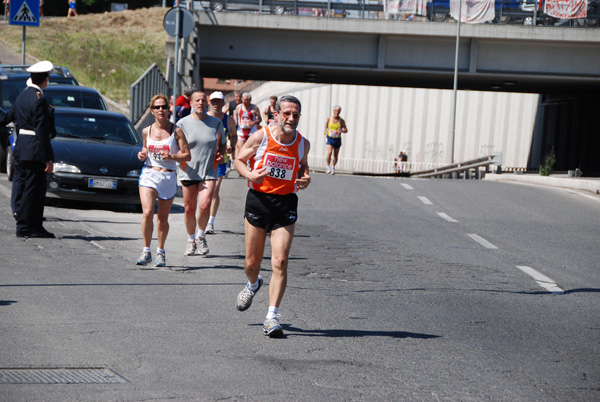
[[334, 127]]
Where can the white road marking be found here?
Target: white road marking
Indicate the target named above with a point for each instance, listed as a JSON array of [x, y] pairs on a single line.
[[406, 186], [425, 201], [542, 280], [481, 241], [447, 217]]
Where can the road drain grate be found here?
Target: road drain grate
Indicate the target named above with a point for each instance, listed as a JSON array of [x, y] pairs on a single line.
[[61, 376]]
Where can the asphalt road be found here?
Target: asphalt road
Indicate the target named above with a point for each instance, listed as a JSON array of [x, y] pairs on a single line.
[[398, 290]]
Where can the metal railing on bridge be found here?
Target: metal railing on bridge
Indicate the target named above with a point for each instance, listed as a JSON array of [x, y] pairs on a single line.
[[507, 11], [152, 82]]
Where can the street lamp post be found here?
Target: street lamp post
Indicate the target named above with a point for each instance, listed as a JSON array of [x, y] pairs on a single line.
[[455, 91]]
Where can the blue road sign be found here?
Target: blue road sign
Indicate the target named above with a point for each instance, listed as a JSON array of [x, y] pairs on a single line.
[[25, 12]]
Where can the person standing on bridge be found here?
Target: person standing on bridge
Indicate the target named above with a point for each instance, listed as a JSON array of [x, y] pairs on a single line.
[[207, 140], [334, 127], [72, 8], [247, 118], [164, 146], [278, 157]]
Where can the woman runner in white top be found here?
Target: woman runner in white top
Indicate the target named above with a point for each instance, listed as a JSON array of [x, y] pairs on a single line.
[[163, 147]]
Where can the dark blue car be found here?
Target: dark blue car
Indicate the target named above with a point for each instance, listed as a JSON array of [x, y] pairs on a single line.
[[13, 80], [95, 157]]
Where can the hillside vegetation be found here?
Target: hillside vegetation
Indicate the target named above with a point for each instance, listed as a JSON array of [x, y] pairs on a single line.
[[106, 51]]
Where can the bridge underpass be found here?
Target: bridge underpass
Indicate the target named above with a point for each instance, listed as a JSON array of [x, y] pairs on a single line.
[[559, 62], [509, 58]]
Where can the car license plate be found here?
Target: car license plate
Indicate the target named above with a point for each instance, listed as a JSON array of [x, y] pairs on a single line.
[[102, 183]]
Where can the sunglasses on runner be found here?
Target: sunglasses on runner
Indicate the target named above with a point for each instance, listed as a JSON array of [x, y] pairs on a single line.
[[164, 107], [288, 114]]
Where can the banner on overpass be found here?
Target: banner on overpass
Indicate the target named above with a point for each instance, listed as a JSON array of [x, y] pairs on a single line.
[[415, 7], [474, 11], [566, 9]]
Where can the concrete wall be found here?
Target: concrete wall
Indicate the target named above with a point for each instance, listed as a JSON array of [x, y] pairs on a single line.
[[382, 121]]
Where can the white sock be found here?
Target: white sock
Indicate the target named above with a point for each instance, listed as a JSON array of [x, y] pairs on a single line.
[[200, 233], [191, 237], [253, 286], [211, 220], [160, 250], [146, 249], [273, 311]]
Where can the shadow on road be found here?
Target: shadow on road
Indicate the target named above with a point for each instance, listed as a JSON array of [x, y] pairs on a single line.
[[98, 238], [105, 206], [353, 333]]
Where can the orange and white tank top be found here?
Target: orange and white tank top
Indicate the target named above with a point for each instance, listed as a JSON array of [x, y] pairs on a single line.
[[282, 162], [155, 147]]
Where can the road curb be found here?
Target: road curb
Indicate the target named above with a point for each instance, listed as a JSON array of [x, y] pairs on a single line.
[[574, 183]]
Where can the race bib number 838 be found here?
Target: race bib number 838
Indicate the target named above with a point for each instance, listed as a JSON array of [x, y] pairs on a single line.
[[280, 167]]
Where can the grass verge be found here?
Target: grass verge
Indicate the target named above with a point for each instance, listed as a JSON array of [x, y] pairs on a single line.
[[106, 51]]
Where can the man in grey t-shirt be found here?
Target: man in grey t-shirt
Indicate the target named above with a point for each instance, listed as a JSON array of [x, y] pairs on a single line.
[[206, 138]]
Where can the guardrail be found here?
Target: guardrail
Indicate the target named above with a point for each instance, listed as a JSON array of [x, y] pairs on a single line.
[[468, 169], [370, 166], [150, 83], [527, 12]]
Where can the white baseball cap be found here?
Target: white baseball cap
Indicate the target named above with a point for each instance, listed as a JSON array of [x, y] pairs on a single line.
[[217, 95], [41, 67]]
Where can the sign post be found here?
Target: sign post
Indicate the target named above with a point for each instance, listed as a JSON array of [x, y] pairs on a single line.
[[25, 13], [178, 23]]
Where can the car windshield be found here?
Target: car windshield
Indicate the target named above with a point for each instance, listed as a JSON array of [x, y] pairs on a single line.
[[97, 128], [75, 100], [12, 88], [57, 80]]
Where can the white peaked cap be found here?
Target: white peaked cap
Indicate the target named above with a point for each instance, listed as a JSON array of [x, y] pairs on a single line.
[[41, 67], [217, 95]]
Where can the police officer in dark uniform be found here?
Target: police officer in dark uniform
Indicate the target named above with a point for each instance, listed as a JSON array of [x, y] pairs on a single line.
[[34, 127], [17, 186]]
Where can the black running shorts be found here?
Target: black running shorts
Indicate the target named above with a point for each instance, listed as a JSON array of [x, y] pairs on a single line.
[[271, 211]]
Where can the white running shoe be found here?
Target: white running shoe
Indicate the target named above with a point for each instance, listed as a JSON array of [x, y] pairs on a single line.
[[328, 170], [161, 260], [210, 229], [202, 246], [332, 170], [272, 328], [145, 258], [244, 298], [190, 248]]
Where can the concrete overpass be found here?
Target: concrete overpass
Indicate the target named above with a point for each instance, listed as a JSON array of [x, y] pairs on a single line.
[[508, 58]]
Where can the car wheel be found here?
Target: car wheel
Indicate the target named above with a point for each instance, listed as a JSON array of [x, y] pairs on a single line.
[[278, 10], [217, 6], [9, 165], [504, 19], [439, 17]]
